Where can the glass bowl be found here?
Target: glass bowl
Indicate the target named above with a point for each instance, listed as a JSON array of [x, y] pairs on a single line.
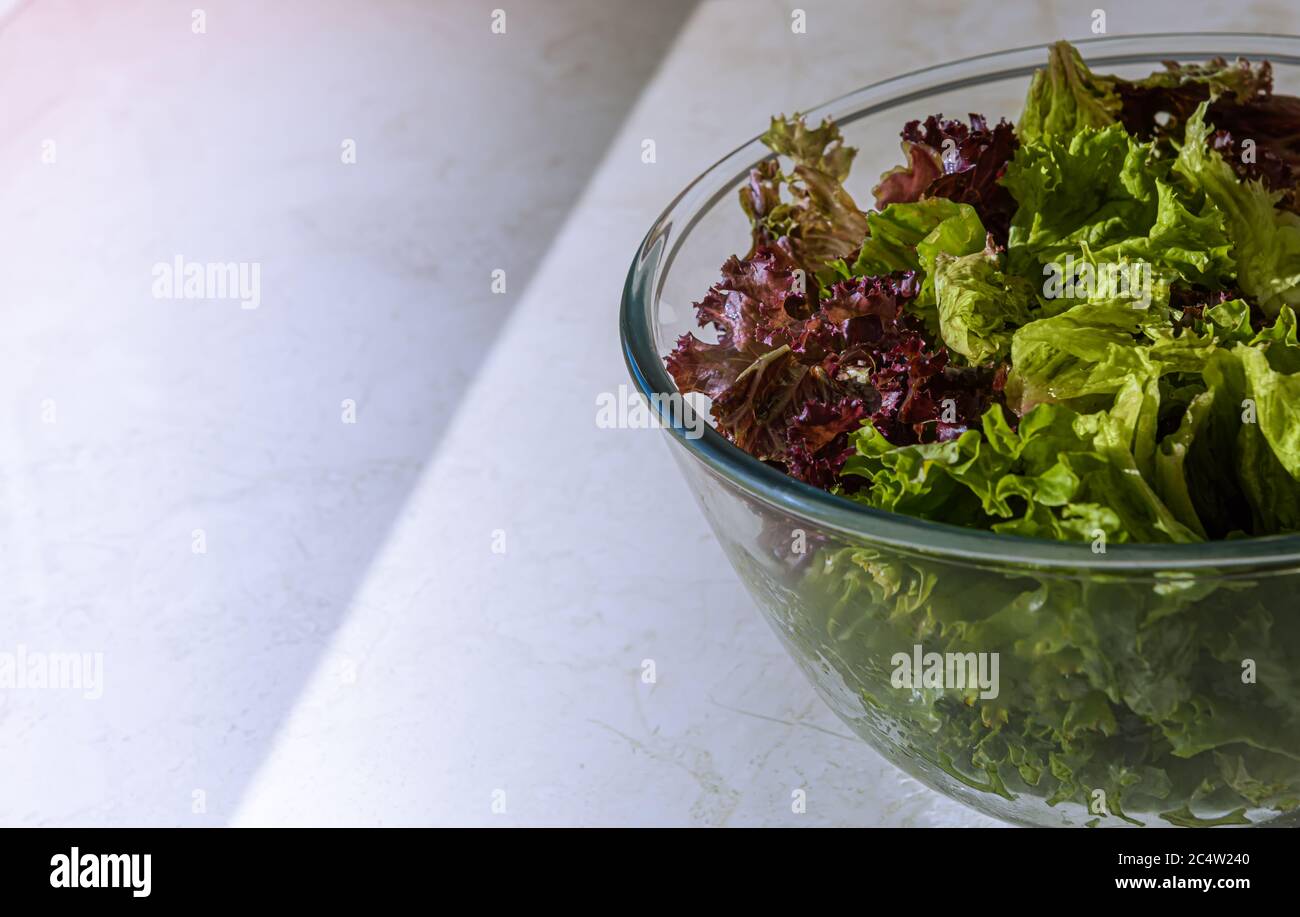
[[1149, 684]]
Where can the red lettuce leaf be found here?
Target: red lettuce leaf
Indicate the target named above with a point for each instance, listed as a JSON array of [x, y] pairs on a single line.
[[1160, 104], [1242, 106], [948, 158], [791, 378], [818, 440], [1273, 123]]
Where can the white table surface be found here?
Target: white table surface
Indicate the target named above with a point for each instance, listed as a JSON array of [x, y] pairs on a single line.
[[349, 649]]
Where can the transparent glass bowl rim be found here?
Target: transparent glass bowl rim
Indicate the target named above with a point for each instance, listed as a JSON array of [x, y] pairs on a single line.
[[856, 521]]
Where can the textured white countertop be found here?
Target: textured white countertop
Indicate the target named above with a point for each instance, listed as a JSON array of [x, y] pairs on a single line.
[[349, 649]]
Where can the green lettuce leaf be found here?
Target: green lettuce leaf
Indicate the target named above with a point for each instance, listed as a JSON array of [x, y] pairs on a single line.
[[1103, 195], [1066, 97], [1171, 479], [1088, 350], [1266, 240], [1061, 475], [979, 306], [908, 237], [896, 231], [816, 220]]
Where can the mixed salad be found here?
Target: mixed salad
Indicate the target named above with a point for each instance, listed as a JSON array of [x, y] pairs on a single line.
[[1081, 327]]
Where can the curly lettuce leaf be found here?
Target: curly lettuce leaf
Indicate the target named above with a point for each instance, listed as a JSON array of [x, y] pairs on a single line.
[[1171, 478], [948, 158], [819, 223], [1262, 381], [1088, 350], [1161, 103], [1065, 97], [979, 306], [1060, 475], [1266, 240], [1106, 683], [1271, 123], [910, 237], [896, 231], [1102, 192]]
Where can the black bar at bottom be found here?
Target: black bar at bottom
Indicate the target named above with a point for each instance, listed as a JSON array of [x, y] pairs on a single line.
[[332, 866]]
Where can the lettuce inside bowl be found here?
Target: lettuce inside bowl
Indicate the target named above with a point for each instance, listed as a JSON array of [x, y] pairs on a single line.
[[1008, 457]]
